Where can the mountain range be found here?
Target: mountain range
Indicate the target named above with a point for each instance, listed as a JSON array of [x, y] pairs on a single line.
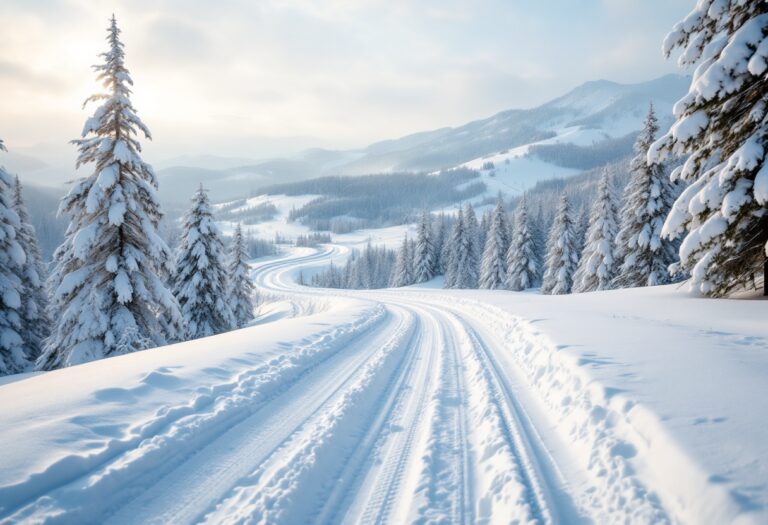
[[593, 112]]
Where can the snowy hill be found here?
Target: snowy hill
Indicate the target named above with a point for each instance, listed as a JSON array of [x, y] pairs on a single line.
[[591, 113], [601, 108]]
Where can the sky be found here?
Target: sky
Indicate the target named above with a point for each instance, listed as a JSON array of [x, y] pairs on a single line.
[[265, 78]]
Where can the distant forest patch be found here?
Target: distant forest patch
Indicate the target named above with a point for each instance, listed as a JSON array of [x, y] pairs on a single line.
[[377, 200], [585, 157]]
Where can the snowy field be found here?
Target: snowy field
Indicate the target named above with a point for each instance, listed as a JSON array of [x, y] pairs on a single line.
[[410, 405]]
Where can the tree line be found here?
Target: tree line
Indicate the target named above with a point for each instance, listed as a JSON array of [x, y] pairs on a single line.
[[612, 247], [115, 286]]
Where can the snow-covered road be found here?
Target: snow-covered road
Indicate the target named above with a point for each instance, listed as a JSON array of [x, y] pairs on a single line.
[[393, 406], [447, 443]]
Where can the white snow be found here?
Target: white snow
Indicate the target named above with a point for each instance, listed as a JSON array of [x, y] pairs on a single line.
[[278, 224], [515, 172], [641, 405]]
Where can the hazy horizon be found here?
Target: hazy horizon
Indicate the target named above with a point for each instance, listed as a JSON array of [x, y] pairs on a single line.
[[259, 81]]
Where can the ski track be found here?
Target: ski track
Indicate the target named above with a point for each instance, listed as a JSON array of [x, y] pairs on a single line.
[[408, 414]]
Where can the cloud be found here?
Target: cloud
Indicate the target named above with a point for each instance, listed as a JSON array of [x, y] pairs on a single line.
[[26, 78], [344, 71], [170, 40]]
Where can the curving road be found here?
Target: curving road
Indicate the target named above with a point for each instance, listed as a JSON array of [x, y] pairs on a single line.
[[446, 442], [412, 413]]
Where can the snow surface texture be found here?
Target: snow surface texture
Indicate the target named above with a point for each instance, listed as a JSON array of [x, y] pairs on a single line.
[[410, 405]]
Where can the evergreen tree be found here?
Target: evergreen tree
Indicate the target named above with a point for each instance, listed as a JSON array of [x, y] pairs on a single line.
[[539, 229], [644, 254], [462, 272], [346, 273], [34, 310], [362, 269], [493, 272], [582, 229], [109, 296], [473, 230], [14, 351], [241, 289], [597, 265], [447, 252], [561, 252], [402, 275], [439, 234], [522, 259], [450, 250], [412, 260], [722, 126], [482, 233], [200, 281], [424, 255]]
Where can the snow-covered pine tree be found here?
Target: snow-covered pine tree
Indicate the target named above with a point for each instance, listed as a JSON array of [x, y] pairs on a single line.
[[522, 259], [539, 229], [241, 289], [439, 234], [447, 252], [597, 264], [13, 349], [493, 271], [362, 270], [473, 230], [562, 256], [347, 276], [411, 260], [108, 290], [34, 311], [482, 233], [401, 276], [200, 281], [581, 219], [462, 271], [424, 255], [722, 125], [643, 253]]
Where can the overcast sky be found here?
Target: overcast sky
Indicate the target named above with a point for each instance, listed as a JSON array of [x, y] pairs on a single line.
[[259, 77]]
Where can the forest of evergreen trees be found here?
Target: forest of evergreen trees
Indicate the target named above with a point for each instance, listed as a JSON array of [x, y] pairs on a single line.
[[115, 285], [560, 248]]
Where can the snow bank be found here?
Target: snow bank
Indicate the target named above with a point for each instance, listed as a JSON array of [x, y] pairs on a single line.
[[119, 419], [655, 394]]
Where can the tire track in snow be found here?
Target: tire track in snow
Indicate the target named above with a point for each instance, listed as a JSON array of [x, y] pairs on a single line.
[[390, 482], [196, 486], [614, 491], [126, 466], [445, 490], [535, 493], [516, 491], [308, 461]]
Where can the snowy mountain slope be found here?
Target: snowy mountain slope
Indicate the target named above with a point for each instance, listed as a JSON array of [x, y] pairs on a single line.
[[514, 171], [612, 108], [177, 183], [592, 112], [409, 404]]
